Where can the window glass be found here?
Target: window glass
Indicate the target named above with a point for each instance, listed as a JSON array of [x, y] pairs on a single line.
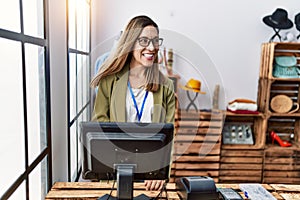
[[82, 25], [80, 119], [85, 115], [85, 79], [20, 193], [74, 145], [82, 81], [36, 100], [12, 148], [33, 18], [10, 15], [79, 82], [38, 181], [72, 24], [72, 86]]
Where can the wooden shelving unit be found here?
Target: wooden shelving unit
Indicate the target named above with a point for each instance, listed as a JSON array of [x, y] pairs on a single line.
[[261, 162], [280, 163], [241, 166], [276, 164], [197, 144], [243, 162]]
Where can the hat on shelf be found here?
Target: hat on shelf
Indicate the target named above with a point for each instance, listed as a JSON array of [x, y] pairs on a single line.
[[297, 21], [193, 85], [279, 19]]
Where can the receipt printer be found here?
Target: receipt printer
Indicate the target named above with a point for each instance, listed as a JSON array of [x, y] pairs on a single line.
[[197, 187]]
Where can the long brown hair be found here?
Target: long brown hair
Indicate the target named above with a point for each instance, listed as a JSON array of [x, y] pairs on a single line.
[[123, 53]]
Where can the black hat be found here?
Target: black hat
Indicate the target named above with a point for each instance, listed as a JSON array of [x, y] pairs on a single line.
[[279, 19], [297, 21]]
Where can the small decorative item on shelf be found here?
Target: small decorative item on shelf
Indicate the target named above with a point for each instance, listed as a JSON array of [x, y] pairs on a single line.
[[289, 37], [215, 103], [283, 104], [281, 142], [166, 66], [286, 67], [193, 85], [242, 106], [297, 23], [170, 62], [162, 60], [278, 20], [237, 133]]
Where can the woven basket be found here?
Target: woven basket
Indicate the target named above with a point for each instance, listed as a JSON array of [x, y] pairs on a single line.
[[283, 104]]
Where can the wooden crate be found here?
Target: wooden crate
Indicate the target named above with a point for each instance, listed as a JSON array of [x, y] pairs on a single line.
[[258, 128], [281, 165], [268, 85], [241, 166], [285, 126], [267, 51], [278, 49], [284, 49], [288, 88], [268, 89], [197, 144], [263, 95]]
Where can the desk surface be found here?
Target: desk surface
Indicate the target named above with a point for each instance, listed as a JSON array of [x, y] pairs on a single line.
[[93, 190]]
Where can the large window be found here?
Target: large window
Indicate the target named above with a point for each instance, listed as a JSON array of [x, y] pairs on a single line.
[[78, 80], [25, 145]]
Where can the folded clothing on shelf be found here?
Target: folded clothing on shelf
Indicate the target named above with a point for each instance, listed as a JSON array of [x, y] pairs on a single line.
[[242, 106], [243, 111], [242, 101]]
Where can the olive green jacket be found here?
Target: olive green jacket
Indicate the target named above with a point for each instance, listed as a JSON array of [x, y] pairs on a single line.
[[111, 100]]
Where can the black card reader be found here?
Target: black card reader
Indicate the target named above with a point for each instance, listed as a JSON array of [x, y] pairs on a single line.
[[197, 187]]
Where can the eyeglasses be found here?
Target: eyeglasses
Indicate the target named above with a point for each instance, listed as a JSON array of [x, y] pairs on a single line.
[[144, 41]]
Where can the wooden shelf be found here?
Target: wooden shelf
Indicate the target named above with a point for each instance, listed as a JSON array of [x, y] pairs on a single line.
[[285, 79], [272, 114], [242, 146], [230, 114], [275, 147]]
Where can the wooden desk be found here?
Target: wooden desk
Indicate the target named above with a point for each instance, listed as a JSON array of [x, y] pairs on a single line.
[[93, 190]]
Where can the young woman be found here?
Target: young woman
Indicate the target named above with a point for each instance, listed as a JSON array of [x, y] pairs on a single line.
[[130, 86]]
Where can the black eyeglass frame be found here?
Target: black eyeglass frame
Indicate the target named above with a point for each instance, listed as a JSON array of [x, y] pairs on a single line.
[[159, 43]]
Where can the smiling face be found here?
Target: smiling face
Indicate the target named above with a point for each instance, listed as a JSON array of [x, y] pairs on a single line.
[[145, 56]]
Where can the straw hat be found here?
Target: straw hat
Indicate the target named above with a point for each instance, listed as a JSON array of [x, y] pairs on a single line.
[[193, 85]]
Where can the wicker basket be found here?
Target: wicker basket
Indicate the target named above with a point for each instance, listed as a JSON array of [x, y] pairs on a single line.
[[283, 104]]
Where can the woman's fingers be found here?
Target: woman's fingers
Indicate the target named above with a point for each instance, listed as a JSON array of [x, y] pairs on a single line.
[[154, 184]]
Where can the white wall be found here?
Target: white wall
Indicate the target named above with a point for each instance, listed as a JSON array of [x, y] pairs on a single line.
[[58, 85], [216, 41]]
